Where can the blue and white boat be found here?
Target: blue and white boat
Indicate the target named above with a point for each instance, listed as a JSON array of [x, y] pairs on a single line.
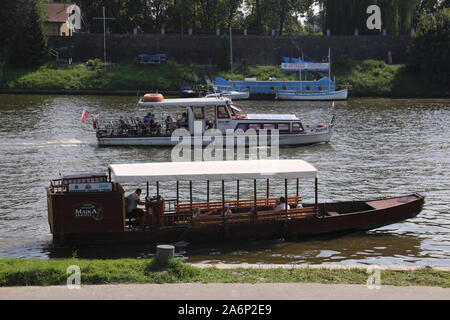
[[321, 89], [306, 91]]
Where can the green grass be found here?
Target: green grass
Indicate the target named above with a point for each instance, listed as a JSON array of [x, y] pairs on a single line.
[[368, 78], [93, 76], [25, 272], [376, 78]]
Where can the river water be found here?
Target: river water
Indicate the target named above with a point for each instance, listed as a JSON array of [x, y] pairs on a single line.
[[381, 148]]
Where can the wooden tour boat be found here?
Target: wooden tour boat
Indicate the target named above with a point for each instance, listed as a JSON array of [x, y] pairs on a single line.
[[90, 208]]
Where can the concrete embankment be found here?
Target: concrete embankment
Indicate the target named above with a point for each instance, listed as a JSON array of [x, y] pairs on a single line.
[[225, 291], [238, 291]]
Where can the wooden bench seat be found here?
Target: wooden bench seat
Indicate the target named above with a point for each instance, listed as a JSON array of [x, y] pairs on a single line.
[[234, 204], [262, 216]]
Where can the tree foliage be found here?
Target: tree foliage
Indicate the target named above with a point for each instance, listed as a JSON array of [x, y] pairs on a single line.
[[429, 48], [342, 17], [258, 16], [22, 35]]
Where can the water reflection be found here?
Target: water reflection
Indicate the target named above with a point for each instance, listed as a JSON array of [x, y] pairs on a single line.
[[361, 248]]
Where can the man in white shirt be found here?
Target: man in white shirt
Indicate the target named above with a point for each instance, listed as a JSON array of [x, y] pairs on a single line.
[[281, 205], [132, 211]]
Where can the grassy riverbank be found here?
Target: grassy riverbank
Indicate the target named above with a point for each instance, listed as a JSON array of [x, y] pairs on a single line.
[[93, 75], [24, 272], [367, 78]]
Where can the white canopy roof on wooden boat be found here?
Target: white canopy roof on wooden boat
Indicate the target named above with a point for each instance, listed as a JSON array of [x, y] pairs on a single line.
[[186, 102], [212, 170]]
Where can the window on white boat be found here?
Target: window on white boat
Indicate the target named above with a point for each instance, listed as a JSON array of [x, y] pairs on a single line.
[[255, 126], [222, 112], [283, 127], [242, 126], [297, 127], [199, 112], [269, 126]]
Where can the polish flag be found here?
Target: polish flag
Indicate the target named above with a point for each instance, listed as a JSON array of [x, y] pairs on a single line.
[[84, 115]]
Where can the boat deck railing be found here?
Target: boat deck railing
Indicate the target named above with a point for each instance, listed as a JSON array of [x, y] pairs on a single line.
[[181, 214], [234, 204], [262, 216], [115, 128], [276, 86]]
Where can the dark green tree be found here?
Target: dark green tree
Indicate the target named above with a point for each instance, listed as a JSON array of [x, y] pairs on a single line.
[[429, 48], [342, 17], [35, 41], [23, 36], [223, 59]]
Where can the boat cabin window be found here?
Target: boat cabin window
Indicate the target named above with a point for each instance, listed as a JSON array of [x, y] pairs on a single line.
[[242, 126], [222, 113], [255, 126], [199, 112], [297, 127], [283, 127], [269, 126]]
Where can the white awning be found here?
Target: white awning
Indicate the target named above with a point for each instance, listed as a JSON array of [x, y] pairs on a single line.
[[212, 170], [187, 102], [252, 116]]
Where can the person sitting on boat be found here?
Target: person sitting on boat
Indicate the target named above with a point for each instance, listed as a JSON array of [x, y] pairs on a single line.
[[123, 125], [148, 117], [133, 212], [155, 127], [169, 125], [281, 205], [143, 127], [226, 211], [253, 209], [209, 124], [182, 122]]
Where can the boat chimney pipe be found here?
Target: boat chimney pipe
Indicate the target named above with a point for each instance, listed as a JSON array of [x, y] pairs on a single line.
[[316, 201], [285, 196]]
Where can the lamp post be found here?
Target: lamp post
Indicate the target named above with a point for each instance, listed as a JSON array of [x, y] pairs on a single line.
[[104, 18]]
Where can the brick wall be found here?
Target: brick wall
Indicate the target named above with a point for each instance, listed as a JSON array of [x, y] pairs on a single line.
[[203, 49]]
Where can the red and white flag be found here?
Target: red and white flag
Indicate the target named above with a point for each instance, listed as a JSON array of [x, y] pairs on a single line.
[[84, 115], [332, 106]]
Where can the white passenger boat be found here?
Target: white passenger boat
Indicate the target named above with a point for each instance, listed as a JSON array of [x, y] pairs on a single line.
[[233, 95], [227, 119]]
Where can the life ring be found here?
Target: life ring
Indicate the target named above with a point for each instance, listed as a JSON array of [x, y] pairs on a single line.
[[241, 116], [153, 97]]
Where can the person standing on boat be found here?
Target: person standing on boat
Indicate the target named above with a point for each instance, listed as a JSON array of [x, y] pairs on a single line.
[[169, 125], [132, 207], [182, 122]]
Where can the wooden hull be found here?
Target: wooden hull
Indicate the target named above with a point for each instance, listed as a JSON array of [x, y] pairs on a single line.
[[333, 218]]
